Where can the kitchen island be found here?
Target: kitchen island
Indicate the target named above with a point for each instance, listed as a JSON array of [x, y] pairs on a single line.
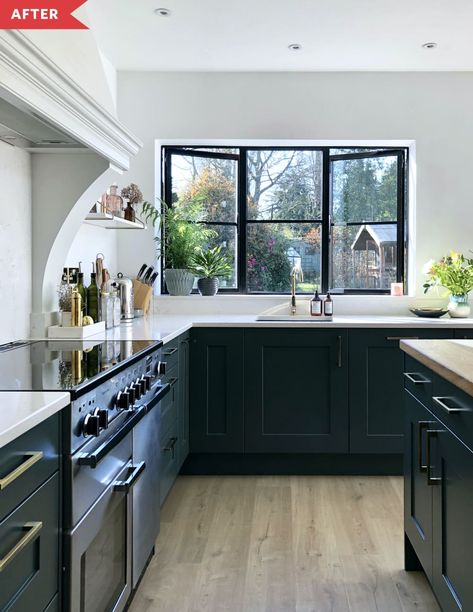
[[438, 494]]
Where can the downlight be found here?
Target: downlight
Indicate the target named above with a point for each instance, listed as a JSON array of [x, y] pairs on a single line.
[[429, 45], [294, 47], [162, 12]]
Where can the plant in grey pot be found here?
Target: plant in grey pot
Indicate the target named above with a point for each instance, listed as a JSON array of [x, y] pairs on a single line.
[[183, 235], [209, 265]]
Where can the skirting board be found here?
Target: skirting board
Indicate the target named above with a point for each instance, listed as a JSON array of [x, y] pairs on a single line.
[[292, 464]]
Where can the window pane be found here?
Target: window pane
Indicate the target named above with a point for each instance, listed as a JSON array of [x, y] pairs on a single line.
[[272, 251], [364, 256], [226, 236], [284, 184], [213, 182], [364, 189]]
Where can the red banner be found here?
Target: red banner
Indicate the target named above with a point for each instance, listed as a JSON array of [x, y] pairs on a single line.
[[40, 15]]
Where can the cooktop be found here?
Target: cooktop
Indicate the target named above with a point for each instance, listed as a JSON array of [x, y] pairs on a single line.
[[67, 365]]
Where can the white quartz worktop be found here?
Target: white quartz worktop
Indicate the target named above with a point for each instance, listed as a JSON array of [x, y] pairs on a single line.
[[20, 411], [166, 327]]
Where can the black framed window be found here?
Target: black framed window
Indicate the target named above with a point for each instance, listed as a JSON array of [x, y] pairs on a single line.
[[336, 214]]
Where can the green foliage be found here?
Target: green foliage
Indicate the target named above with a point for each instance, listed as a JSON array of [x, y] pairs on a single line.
[[454, 272], [211, 263], [184, 234]]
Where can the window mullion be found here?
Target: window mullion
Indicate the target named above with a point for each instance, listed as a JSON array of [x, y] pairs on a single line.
[[325, 250]]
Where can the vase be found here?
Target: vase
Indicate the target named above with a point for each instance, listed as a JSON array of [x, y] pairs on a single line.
[[179, 282], [459, 307], [208, 286], [129, 213]]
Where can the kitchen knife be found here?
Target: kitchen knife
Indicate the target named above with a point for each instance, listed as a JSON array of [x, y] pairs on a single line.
[[147, 275], [141, 272], [154, 276]]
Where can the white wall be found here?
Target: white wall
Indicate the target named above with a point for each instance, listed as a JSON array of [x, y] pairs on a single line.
[[434, 109], [88, 242], [15, 243]]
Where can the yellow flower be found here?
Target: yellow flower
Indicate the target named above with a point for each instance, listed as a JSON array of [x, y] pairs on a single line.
[[454, 255], [427, 267]]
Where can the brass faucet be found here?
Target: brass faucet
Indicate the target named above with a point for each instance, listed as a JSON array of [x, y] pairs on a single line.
[[296, 270]]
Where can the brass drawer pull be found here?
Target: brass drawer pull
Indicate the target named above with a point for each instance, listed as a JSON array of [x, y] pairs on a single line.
[[402, 338], [21, 469], [455, 410], [30, 535], [169, 352], [420, 380]]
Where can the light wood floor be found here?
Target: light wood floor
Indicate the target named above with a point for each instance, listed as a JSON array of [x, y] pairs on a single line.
[[282, 544]]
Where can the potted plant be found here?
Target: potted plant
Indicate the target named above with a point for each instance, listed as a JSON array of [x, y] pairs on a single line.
[[209, 265], [455, 273], [183, 235]]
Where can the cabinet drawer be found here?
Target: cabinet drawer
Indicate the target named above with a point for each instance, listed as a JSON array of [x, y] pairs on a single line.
[[169, 405], [27, 462], [169, 461], [29, 551], [170, 353], [453, 407], [418, 379]]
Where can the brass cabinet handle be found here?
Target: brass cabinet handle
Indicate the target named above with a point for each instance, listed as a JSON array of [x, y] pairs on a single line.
[[33, 458], [431, 480], [441, 402], [420, 380], [30, 535]]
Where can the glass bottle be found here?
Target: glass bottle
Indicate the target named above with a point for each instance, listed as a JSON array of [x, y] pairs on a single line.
[[82, 291], [328, 306], [316, 305], [93, 301], [114, 201]]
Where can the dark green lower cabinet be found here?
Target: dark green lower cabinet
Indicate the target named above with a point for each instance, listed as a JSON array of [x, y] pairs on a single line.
[[452, 515], [418, 517], [216, 391], [296, 398], [377, 387]]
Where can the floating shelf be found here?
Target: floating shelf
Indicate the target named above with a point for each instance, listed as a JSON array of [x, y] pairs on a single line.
[[109, 221]]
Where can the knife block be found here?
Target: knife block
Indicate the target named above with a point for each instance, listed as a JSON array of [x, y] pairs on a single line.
[[142, 295]]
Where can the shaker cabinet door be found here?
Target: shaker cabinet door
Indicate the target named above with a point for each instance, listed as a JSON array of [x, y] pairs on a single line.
[[216, 391], [417, 490], [296, 391], [452, 522]]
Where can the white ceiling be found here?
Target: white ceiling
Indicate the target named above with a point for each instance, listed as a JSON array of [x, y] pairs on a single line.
[[253, 35]]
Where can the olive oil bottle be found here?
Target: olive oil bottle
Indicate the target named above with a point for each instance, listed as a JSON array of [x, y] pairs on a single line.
[[93, 297]]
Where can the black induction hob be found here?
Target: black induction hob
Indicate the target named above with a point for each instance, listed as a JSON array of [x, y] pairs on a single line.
[[67, 365]]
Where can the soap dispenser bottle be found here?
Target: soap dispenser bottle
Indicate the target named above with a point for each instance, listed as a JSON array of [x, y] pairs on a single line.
[[328, 306], [316, 305]]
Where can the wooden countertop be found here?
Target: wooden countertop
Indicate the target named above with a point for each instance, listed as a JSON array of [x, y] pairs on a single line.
[[451, 359]]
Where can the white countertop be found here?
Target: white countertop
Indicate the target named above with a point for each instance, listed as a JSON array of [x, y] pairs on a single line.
[[20, 411], [165, 327]]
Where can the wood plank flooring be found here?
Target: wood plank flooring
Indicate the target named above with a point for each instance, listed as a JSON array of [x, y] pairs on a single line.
[[282, 544]]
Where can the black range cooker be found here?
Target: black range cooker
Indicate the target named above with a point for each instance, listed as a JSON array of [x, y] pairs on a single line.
[[111, 457]]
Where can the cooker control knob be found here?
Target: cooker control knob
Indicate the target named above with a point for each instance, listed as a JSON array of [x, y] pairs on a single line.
[[123, 399], [91, 425], [102, 414], [141, 381], [132, 394], [137, 389], [161, 368], [147, 378]]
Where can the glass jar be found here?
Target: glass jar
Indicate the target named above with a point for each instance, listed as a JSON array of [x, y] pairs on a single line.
[[116, 308], [107, 309]]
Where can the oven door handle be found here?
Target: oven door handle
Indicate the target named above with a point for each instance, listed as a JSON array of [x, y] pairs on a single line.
[[125, 485], [93, 459]]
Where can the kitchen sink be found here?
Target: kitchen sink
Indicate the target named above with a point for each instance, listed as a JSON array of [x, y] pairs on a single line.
[[282, 312]]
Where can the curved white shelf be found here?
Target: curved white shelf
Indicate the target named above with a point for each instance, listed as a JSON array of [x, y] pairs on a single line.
[[109, 221]]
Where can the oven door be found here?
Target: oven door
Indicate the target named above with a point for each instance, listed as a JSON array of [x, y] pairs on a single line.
[[101, 548]]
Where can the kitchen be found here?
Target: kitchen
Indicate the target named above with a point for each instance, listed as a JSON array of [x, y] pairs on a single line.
[[192, 451]]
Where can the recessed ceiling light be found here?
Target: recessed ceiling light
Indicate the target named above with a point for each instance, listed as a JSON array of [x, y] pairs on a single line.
[[162, 12], [295, 47], [429, 45]]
